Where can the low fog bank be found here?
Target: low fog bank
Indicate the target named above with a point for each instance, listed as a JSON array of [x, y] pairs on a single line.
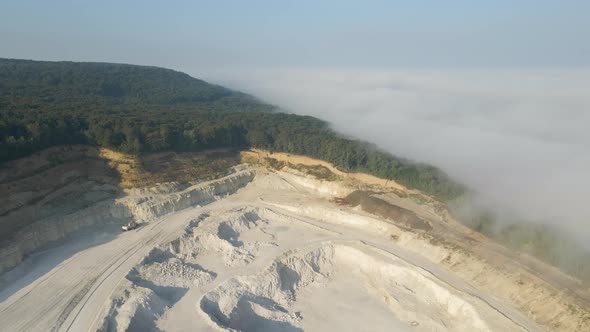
[[519, 138]]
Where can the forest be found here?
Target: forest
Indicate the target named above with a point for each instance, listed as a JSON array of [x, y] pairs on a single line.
[[139, 109]]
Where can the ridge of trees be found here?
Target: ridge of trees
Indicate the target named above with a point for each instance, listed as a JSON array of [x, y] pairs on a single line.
[[139, 109]]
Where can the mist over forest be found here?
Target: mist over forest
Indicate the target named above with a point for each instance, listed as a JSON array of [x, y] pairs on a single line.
[[518, 138]]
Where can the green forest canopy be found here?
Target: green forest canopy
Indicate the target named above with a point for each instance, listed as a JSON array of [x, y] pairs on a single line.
[[137, 109]]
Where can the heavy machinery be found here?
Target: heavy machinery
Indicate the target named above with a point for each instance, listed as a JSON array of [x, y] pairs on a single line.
[[129, 226]]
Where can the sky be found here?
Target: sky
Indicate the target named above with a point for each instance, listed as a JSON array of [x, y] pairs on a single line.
[[493, 92], [190, 35]]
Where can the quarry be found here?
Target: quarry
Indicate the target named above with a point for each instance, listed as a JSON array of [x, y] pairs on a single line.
[[254, 241]]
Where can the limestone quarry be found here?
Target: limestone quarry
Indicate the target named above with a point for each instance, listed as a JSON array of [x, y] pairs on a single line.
[[270, 242]]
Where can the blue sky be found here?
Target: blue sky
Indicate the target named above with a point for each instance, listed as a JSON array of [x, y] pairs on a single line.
[[189, 35]]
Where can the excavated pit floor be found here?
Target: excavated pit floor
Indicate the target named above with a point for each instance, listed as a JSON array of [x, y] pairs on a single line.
[[275, 256]]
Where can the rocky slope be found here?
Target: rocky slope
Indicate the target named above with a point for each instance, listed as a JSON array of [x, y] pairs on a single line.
[[282, 252], [49, 196]]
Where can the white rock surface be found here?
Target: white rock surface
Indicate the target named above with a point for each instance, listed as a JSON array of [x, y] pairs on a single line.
[[141, 205], [275, 256]]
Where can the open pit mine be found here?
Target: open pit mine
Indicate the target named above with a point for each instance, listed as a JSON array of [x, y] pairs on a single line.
[[276, 242]]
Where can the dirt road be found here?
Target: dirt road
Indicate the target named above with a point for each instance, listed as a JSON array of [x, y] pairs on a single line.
[[66, 298]]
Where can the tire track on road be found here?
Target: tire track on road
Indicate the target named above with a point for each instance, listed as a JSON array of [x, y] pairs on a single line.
[[103, 276]]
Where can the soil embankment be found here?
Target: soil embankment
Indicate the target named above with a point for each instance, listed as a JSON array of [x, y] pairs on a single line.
[[51, 194]]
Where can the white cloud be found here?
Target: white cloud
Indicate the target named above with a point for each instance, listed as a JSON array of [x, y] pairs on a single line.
[[519, 137]]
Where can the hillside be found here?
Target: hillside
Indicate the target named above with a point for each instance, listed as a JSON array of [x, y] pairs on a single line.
[[138, 109], [34, 85]]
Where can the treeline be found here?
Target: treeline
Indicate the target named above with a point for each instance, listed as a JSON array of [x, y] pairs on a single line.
[[31, 85], [138, 109]]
